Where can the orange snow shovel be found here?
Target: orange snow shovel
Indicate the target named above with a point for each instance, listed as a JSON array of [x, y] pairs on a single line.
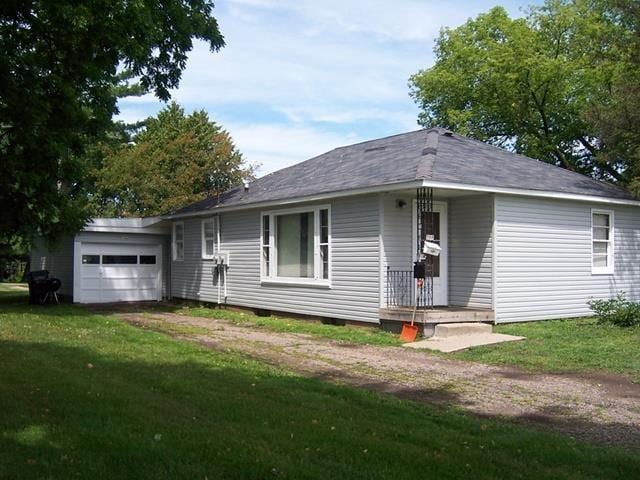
[[410, 331]]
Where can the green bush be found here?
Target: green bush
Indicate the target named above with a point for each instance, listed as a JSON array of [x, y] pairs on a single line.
[[12, 270], [617, 311]]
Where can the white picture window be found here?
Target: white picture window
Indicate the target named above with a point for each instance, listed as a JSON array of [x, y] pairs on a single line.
[[602, 233], [210, 237], [178, 241], [296, 245]]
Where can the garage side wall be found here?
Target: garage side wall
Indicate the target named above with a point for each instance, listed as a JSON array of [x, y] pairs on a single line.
[[354, 292], [543, 258], [58, 259]]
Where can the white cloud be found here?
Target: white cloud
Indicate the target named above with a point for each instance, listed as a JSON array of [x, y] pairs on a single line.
[[297, 78], [275, 146]]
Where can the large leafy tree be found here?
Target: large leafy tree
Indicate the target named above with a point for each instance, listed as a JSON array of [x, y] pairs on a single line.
[[59, 70], [175, 160], [536, 85]]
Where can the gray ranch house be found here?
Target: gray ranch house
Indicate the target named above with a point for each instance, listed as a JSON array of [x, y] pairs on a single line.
[[337, 236]]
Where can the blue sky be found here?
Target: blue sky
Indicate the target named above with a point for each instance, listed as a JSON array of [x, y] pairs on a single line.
[[298, 78]]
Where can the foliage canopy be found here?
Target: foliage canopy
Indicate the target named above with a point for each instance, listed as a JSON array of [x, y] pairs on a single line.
[[560, 85], [176, 160], [59, 72]]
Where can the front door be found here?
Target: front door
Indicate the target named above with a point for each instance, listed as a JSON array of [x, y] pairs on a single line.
[[436, 232]]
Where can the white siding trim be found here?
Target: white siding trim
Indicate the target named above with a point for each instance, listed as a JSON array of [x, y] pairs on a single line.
[[610, 268], [273, 277], [215, 238], [174, 249]]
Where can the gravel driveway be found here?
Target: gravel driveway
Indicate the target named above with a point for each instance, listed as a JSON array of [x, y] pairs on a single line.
[[602, 409]]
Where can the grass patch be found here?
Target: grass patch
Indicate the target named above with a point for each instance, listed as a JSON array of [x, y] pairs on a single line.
[[345, 333], [580, 345], [87, 396]]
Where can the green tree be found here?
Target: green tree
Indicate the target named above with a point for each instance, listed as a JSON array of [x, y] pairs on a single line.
[[59, 72], [175, 160], [529, 84]]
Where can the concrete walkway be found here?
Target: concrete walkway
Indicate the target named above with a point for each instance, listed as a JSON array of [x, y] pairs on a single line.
[[596, 408], [451, 337]]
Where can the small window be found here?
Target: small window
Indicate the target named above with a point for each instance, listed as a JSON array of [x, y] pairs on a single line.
[[178, 241], [266, 246], [119, 259], [210, 232], [602, 241], [324, 244], [147, 259], [91, 259]]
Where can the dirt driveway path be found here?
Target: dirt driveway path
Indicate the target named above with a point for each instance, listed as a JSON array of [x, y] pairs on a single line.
[[599, 409]]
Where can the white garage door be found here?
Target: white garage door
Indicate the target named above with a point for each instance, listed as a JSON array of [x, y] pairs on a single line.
[[119, 273]]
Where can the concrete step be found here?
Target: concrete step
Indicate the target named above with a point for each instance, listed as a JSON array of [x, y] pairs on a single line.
[[446, 330]]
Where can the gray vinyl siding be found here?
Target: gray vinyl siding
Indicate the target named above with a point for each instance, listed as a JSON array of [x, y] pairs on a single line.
[[470, 251], [58, 259], [470, 224], [354, 292], [543, 258], [396, 235]]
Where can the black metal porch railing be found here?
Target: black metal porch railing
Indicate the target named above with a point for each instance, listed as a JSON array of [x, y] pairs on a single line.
[[402, 289]]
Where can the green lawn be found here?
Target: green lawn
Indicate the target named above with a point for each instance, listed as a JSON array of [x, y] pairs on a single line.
[[565, 346], [87, 396]]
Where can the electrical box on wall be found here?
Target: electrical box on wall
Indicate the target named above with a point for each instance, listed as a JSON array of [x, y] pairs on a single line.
[[221, 258]]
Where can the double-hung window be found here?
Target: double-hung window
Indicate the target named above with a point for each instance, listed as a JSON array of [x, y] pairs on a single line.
[[296, 246], [210, 237], [178, 241], [602, 231]]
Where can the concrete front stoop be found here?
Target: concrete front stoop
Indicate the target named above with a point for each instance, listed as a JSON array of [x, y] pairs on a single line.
[[450, 337]]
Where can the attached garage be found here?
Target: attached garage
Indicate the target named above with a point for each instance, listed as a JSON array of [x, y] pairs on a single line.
[[111, 260], [127, 272]]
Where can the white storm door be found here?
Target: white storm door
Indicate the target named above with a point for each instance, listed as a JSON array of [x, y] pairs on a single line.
[[440, 236]]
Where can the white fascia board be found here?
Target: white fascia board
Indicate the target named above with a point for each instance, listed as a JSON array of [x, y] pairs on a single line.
[[530, 193], [127, 225], [311, 198], [412, 184]]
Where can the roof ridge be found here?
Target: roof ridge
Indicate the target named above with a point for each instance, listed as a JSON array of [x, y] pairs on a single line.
[[429, 155]]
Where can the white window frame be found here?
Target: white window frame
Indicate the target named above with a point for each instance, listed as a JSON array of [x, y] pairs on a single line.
[[174, 242], [273, 278], [216, 237], [610, 268]]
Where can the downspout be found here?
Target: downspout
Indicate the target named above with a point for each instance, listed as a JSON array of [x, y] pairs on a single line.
[[218, 269]]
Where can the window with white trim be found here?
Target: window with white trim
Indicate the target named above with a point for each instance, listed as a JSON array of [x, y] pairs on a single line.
[[178, 241], [296, 245], [602, 241], [210, 237]]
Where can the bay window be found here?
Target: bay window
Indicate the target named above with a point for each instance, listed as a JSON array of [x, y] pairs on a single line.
[[295, 246], [602, 241]]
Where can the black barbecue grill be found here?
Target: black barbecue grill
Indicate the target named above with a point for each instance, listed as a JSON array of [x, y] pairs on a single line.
[[42, 289]]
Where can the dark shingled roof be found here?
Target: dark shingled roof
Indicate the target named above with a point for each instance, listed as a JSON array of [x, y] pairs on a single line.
[[434, 154]]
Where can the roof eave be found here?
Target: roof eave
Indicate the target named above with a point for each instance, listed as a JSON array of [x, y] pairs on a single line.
[[410, 184]]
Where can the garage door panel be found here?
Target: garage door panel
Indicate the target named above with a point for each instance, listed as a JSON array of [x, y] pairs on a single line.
[[129, 284], [104, 279]]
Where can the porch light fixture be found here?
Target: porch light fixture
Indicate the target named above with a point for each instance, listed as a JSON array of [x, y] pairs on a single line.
[[400, 203]]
